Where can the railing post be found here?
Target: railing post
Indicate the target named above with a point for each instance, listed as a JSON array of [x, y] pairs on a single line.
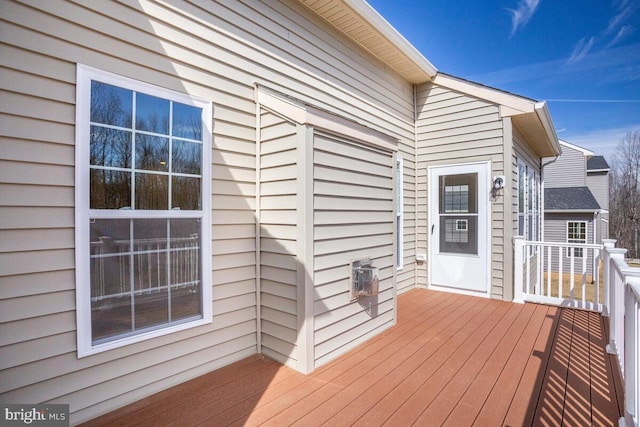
[[608, 244], [518, 249], [616, 313], [632, 348]]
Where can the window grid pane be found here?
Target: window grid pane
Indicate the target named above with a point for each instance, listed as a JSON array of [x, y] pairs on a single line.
[[166, 140]]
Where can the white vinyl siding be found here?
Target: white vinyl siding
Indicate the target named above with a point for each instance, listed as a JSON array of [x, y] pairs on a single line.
[[354, 218], [598, 183], [278, 238], [455, 128], [212, 50], [569, 170]]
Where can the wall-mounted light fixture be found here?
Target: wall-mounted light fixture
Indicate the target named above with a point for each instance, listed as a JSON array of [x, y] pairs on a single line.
[[498, 182]]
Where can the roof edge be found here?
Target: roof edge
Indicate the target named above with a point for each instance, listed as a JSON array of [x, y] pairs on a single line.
[[519, 104], [587, 153], [542, 110], [388, 31]]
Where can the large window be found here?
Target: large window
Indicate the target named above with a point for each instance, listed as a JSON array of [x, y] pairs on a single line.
[[142, 210], [529, 206], [399, 214], [576, 233]]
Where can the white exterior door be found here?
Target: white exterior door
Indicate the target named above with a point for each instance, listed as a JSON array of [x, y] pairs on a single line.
[[459, 227]]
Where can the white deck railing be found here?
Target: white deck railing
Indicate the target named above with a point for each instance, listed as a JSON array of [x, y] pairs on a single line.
[[543, 269], [563, 274], [623, 309]]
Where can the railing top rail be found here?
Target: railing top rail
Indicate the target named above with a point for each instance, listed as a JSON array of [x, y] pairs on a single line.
[[564, 245], [634, 285]]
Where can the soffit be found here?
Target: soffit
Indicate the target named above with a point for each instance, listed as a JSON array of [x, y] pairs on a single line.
[[362, 24]]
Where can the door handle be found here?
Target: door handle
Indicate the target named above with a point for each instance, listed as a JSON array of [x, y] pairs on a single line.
[[432, 225]]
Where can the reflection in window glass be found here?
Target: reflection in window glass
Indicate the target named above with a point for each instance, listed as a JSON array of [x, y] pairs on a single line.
[[185, 193], [186, 157], [110, 147], [152, 153], [109, 189], [110, 105], [152, 191], [152, 114], [146, 281], [187, 121]]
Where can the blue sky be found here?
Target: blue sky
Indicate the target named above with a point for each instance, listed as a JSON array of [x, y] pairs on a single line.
[[581, 56]]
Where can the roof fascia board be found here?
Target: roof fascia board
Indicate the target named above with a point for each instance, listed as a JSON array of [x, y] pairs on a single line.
[[370, 15], [304, 114], [543, 114], [558, 211], [598, 170]]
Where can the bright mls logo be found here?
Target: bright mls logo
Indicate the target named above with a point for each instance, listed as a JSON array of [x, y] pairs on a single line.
[[35, 415]]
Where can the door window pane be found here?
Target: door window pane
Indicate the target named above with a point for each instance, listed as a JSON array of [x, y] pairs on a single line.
[[458, 213]]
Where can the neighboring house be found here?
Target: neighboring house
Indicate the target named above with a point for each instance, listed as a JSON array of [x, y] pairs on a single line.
[[186, 184], [576, 198], [598, 184]]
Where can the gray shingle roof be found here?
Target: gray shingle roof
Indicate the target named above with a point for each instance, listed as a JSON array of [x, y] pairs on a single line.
[[597, 163], [570, 199]]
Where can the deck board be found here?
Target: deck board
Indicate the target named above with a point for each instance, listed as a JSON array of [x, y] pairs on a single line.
[[450, 360]]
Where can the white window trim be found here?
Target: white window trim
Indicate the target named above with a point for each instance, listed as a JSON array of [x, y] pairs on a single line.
[[400, 214], [586, 237], [84, 77], [535, 225]]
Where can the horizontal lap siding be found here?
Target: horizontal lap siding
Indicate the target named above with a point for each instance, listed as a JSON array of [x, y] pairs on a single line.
[[278, 264], [213, 50], [569, 170], [353, 208], [457, 128]]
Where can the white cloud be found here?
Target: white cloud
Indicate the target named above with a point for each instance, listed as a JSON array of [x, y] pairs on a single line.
[[522, 13], [581, 49], [616, 31], [625, 10], [623, 32], [602, 142]]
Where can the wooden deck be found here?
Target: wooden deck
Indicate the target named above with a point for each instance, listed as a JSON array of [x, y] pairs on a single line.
[[451, 360]]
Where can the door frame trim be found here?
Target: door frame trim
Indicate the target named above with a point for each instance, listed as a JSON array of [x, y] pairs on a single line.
[[487, 292]]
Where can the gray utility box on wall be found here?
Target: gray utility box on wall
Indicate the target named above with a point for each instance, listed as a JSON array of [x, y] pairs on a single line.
[[364, 278]]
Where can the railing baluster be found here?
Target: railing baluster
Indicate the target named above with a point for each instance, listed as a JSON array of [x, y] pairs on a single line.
[[549, 269], [528, 270], [560, 273], [585, 253], [572, 278]]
